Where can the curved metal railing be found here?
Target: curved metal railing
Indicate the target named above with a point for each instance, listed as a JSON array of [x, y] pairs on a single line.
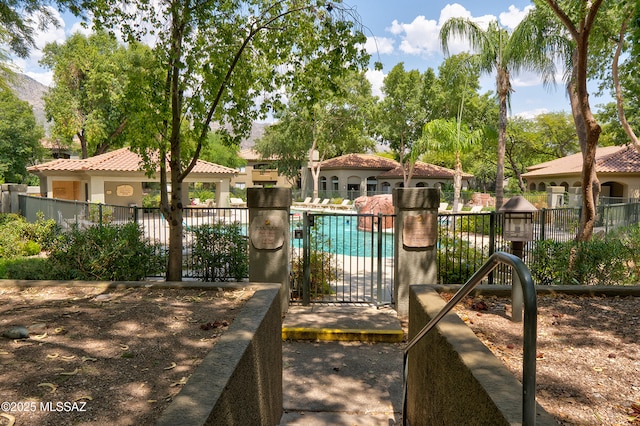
[[530, 330]]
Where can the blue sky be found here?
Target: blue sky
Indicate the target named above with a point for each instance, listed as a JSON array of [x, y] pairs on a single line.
[[402, 31]]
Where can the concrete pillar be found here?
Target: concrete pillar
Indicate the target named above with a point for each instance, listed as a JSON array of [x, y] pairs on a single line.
[[555, 197], [9, 202], [222, 193], [96, 190], [269, 238], [415, 238]]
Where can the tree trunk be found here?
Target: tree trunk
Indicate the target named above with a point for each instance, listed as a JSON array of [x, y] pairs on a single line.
[[504, 86], [174, 218], [588, 134], [616, 83], [457, 183]]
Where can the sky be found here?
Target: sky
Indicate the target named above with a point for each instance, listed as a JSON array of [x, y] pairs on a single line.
[[400, 31]]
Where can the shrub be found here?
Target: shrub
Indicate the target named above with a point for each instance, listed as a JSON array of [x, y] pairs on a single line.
[[99, 213], [608, 261], [26, 268], [21, 238], [457, 260], [220, 252], [108, 252], [322, 265]]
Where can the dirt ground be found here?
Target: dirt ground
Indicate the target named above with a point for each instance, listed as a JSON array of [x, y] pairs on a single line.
[[588, 352], [104, 356]]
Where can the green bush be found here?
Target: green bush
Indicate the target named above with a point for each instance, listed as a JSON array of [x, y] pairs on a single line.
[[26, 268], [608, 261], [99, 213], [108, 252], [220, 252], [322, 265], [457, 260], [21, 238]]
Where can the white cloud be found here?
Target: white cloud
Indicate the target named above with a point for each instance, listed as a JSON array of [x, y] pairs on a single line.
[[376, 78], [50, 34], [419, 37], [531, 113], [45, 78], [512, 18], [453, 11], [379, 45], [79, 27]]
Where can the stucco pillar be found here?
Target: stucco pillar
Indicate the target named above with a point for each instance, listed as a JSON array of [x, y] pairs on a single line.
[[415, 238], [96, 190], [9, 202], [269, 238], [222, 193]]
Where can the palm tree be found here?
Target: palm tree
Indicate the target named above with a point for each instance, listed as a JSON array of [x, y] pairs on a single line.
[[497, 51], [450, 135]]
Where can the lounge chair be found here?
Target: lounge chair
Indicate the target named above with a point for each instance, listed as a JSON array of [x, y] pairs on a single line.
[[476, 209], [304, 203], [237, 202], [323, 204], [345, 205], [443, 207]]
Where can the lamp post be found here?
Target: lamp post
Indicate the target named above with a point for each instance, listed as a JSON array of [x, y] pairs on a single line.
[[518, 228]]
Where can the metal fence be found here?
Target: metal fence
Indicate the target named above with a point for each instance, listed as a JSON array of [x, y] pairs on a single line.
[[352, 255], [342, 258]]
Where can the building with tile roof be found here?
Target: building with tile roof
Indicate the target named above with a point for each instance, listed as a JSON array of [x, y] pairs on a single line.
[[617, 167], [353, 175], [117, 178], [259, 171]]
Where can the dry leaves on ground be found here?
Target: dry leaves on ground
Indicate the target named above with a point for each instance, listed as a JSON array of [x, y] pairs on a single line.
[[588, 351], [105, 356]]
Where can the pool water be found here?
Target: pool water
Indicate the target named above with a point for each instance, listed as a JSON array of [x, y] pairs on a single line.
[[339, 234]]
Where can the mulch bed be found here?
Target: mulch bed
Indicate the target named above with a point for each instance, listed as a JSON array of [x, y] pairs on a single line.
[[105, 356], [588, 353]]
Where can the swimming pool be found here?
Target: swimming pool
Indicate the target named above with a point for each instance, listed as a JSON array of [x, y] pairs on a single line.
[[339, 234]]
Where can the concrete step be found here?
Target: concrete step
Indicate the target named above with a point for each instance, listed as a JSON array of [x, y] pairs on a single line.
[[342, 323]]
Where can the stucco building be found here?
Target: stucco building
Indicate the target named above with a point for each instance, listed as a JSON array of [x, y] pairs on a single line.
[[617, 167], [117, 178], [353, 175]]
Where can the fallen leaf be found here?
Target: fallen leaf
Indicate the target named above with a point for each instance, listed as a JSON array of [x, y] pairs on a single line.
[[70, 373], [51, 386], [172, 366], [12, 420]]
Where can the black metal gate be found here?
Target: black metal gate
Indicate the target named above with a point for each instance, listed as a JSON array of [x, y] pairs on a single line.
[[342, 258]]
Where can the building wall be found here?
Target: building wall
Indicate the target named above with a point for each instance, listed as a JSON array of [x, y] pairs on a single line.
[[123, 193], [244, 177], [613, 185]]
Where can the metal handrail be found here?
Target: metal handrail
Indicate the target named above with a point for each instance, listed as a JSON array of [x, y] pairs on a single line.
[[530, 330]]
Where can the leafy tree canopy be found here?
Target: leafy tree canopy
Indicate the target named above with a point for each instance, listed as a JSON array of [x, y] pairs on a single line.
[[19, 138], [223, 62], [91, 97]]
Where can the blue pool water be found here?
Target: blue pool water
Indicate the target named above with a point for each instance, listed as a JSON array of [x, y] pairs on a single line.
[[339, 234]]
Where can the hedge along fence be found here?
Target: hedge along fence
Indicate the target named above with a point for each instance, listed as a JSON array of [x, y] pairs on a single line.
[[611, 259]]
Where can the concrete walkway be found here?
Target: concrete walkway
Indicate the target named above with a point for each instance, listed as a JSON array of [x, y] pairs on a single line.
[[337, 376]]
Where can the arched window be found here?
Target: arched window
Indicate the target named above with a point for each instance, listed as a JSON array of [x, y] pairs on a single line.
[[322, 183]]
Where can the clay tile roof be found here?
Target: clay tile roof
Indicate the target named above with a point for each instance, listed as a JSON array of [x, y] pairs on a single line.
[[610, 159], [360, 161], [120, 160], [251, 155], [424, 170]]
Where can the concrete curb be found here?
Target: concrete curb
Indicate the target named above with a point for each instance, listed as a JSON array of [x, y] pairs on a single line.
[[336, 334]]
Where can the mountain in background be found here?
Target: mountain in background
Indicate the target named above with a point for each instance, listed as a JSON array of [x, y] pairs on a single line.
[[28, 89]]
